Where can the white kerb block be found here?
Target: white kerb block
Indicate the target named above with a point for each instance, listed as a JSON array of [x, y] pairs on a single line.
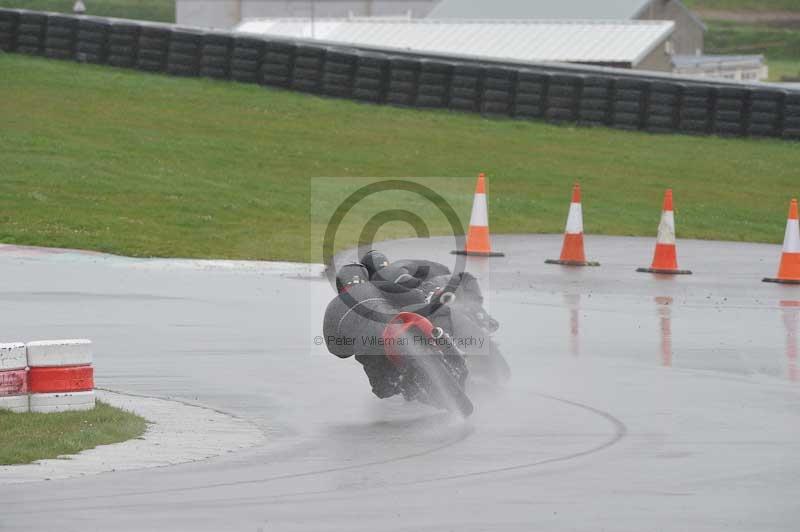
[[15, 403], [12, 356], [50, 353], [61, 402]]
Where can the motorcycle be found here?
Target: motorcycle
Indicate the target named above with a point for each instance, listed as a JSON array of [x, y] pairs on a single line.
[[429, 367], [463, 317], [434, 369]]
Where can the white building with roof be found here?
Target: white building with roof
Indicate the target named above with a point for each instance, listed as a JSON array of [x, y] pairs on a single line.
[[626, 44], [687, 35]]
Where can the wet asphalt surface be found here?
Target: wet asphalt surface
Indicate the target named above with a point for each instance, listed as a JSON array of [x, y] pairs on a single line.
[[638, 402]]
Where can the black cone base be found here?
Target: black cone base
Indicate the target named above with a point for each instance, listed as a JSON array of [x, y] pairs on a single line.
[[478, 253], [572, 262], [664, 272], [781, 281]]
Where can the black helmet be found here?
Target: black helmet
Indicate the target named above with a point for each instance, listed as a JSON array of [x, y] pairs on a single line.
[[351, 274], [374, 261]]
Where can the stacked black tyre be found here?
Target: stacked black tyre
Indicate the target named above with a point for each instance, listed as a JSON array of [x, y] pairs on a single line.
[[765, 113], [215, 55], [729, 113], [434, 83], [338, 72], [628, 103], [563, 96], [152, 48], [122, 43], [402, 86], [183, 54], [246, 59], [307, 72], [530, 98], [791, 120], [663, 107], [276, 69], [595, 104], [370, 79], [9, 20], [696, 109], [31, 33], [466, 85], [59, 40], [91, 40], [498, 91]]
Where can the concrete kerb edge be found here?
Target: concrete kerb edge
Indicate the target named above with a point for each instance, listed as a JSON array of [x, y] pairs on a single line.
[[206, 433]]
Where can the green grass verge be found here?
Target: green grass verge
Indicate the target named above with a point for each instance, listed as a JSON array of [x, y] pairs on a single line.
[[156, 10], [148, 165], [28, 437]]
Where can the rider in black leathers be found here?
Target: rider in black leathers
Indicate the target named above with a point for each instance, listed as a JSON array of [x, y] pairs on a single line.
[[416, 285]]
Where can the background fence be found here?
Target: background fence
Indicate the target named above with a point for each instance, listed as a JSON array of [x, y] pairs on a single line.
[[589, 96]]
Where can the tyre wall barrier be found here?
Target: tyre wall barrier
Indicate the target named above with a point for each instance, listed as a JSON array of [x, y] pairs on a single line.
[[594, 106], [91, 41], [60, 376], [338, 73], [629, 103], [371, 77], [60, 37], [402, 84], [246, 58], [278, 64], [466, 87], [729, 112], [499, 88], [563, 96], [530, 95], [122, 44], [791, 117], [183, 53], [307, 74], [151, 52], [9, 20], [584, 95], [434, 84], [215, 55], [30, 33]]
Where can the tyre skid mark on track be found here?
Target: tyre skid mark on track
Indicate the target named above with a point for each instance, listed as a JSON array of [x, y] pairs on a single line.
[[464, 433], [620, 431]]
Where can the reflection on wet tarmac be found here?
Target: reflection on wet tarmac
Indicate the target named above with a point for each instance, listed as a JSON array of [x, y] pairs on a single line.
[[791, 319], [664, 304], [573, 303]]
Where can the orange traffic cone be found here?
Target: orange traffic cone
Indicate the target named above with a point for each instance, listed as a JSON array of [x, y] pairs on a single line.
[[789, 270], [478, 234], [572, 253], [665, 259]]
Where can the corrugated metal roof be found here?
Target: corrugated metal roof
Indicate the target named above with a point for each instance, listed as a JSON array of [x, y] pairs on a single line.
[[563, 41], [539, 9]]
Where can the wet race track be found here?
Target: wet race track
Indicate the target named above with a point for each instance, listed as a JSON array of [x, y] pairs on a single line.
[[637, 402]]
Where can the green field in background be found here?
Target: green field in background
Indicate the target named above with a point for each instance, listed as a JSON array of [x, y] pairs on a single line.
[[157, 10], [745, 5], [148, 165]]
